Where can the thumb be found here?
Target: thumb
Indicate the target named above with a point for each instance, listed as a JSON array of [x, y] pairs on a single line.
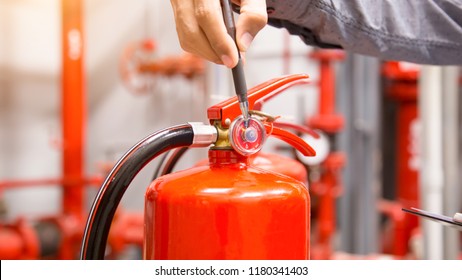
[[252, 19]]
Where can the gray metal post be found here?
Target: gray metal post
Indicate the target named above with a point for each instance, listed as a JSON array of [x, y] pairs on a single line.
[[431, 149], [451, 192], [359, 100], [344, 96]]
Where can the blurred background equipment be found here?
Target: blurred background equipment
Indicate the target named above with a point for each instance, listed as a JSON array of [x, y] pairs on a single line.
[[82, 81]]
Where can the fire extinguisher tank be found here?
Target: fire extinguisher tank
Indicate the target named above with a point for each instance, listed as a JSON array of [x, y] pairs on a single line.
[[226, 210]]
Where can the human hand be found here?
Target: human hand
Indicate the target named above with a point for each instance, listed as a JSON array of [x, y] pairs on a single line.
[[201, 30]]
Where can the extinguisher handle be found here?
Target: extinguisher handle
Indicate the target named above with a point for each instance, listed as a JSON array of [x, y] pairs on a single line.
[[291, 139], [228, 110], [297, 127]]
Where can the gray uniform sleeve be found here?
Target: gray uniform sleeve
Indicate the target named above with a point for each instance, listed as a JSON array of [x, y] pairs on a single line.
[[420, 31]]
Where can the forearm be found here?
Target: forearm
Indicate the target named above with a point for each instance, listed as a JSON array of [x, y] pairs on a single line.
[[428, 32]]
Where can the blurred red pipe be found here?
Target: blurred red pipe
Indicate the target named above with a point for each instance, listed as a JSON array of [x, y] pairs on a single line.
[[393, 210], [73, 107], [91, 181], [327, 119], [328, 186], [18, 241]]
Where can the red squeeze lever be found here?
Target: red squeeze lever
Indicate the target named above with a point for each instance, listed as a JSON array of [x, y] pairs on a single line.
[[228, 110], [291, 139]]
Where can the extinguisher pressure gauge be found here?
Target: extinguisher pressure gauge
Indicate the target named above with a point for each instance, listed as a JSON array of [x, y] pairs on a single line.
[[247, 140]]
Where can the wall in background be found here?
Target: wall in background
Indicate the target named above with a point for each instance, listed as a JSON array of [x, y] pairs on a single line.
[[117, 119]]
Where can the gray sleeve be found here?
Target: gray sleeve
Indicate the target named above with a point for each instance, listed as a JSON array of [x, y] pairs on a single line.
[[420, 31]]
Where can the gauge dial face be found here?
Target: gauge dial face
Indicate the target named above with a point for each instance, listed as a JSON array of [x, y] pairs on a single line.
[[247, 140]]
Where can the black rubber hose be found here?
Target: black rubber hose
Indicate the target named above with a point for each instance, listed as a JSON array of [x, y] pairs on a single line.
[[111, 192], [168, 162], [160, 165]]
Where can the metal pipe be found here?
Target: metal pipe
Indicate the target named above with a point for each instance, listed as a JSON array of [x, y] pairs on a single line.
[[18, 241], [327, 87], [431, 172], [73, 106], [8, 184], [393, 211], [451, 193], [286, 54]]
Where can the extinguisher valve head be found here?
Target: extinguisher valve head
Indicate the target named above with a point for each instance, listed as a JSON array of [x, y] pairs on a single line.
[[247, 139]]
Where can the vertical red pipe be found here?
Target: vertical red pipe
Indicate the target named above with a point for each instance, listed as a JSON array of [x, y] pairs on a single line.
[[401, 88], [326, 217], [286, 55], [328, 186], [327, 119], [326, 88], [73, 106]]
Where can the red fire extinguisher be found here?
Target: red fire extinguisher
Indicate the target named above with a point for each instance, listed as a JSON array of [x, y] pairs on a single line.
[[276, 163], [226, 210]]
